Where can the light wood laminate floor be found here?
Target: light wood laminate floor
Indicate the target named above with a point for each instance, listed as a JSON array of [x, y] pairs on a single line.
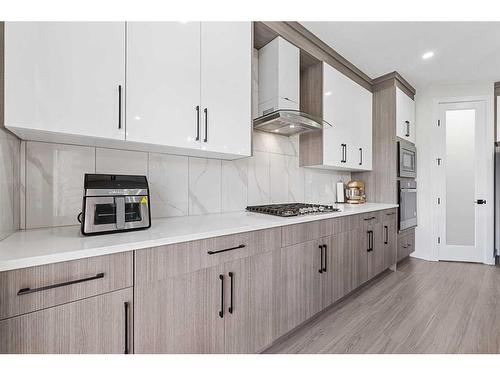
[[423, 307]]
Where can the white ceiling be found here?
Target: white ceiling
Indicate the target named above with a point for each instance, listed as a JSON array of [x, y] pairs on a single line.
[[463, 51]]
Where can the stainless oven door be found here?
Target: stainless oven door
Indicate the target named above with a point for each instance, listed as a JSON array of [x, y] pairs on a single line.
[[105, 214], [407, 208], [407, 160]]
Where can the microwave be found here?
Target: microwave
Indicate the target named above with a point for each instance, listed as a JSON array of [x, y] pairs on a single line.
[[407, 159]]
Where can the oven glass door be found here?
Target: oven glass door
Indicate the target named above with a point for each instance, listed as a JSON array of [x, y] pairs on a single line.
[[407, 162], [407, 208]]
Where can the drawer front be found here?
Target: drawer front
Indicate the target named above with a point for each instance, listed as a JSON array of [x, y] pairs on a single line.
[[34, 288], [346, 223], [370, 218], [298, 233], [159, 263], [389, 214]]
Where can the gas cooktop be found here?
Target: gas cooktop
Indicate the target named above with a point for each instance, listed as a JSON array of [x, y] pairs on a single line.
[[292, 209]]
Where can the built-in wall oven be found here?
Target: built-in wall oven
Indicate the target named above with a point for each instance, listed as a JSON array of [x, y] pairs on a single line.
[[407, 159], [407, 203]]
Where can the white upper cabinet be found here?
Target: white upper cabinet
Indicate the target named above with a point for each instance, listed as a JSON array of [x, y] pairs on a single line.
[[405, 116], [65, 77], [226, 76], [163, 83], [347, 106]]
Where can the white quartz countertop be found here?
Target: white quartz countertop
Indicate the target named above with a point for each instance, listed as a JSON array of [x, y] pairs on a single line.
[[27, 248]]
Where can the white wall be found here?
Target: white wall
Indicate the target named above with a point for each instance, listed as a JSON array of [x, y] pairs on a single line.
[[426, 117]]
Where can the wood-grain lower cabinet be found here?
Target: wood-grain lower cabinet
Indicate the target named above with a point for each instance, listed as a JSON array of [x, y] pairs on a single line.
[[390, 239], [296, 285], [101, 324], [248, 304], [180, 314]]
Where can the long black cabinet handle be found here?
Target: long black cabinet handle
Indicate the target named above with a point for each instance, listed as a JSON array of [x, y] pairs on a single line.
[[119, 106], [386, 228], [360, 156], [369, 218], [390, 213], [197, 123], [370, 241], [126, 307], [221, 312], [24, 291], [407, 128], [344, 153], [231, 277], [206, 125], [320, 259], [326, 259], [221, 251]]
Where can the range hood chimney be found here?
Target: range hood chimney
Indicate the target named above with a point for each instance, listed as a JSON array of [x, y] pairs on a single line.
[[279, 92]]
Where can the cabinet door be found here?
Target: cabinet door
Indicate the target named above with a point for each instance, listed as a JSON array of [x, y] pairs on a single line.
[[405, 116], [99, 324], [249, 305], [163, 83], [64, 77], [376, 255], [226, 64], [336, 139], [180, 314], [360, 261], [297, 285], [390, 239]]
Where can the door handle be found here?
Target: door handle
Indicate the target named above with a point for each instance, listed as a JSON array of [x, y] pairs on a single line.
[[221, 311], [344, 153], [197, 123], [326, 259], [119, 106], [481, 201], [126, 334], [231, 277], [205, 111], [321, 259]]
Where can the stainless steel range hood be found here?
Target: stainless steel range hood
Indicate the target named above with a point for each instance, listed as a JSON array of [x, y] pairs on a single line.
[[289, 122], [279, 92]]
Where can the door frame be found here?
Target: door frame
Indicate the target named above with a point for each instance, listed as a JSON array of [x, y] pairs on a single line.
[[489, 144]]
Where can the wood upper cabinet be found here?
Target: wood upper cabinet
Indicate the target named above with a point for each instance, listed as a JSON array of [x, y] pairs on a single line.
[[226, 76], [189, 85], [297, 285], [390, 237], [65, 77], [347, 106], [163, 83], [101, 324], [405, 116]]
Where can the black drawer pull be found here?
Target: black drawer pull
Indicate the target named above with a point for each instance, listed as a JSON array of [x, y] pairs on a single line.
[[370, 218], [221, 311], [221, 251], [231, 277], [29, 290], [126, 350], [320, 259], [390, 213], [326, 259]]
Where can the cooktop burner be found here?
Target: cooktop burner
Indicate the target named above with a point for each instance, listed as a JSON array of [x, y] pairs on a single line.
[[292, 209]]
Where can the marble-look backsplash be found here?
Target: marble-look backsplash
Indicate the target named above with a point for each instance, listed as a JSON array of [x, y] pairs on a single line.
[[52, 179], [9, 183]]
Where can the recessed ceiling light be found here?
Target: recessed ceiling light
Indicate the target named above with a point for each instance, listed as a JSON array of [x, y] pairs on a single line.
[[328, 93], [292, 126], [276, 130], [427, 55]]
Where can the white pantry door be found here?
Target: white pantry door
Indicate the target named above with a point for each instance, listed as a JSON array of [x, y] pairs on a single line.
[[462, 181]]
